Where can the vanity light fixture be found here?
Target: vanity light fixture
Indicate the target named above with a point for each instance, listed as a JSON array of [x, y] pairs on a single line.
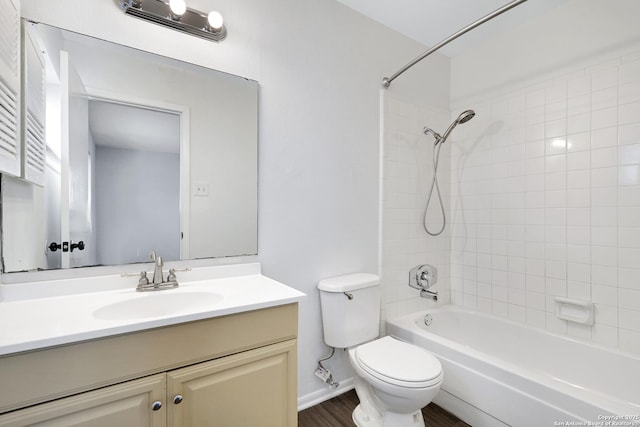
[[175, 14], [178, 8]]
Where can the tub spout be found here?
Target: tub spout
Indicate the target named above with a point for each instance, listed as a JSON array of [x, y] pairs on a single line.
[[424, 293]]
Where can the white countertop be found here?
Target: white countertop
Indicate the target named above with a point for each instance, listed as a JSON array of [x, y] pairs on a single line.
[[36, 323]]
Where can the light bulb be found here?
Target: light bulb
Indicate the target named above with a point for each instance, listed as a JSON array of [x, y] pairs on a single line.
[[178, 7], [215, 20]]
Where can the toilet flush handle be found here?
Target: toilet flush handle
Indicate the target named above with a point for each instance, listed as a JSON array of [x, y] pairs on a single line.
[[350, 296]]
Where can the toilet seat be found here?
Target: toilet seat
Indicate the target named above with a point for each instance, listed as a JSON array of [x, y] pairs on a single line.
[[399, 363]]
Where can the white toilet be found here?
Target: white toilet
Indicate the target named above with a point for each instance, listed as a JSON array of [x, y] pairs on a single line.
[[394, 379]]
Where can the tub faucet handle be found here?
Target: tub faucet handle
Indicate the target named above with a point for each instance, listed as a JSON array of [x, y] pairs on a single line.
[[423, 276]]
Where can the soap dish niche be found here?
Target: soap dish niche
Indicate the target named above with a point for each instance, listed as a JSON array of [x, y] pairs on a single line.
[[574, 310]]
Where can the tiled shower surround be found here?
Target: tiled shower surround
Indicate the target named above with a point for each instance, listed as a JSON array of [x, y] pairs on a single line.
[[545, 200], [407, 171]]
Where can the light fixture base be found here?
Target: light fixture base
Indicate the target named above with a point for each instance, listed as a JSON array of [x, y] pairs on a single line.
[[191, 22]]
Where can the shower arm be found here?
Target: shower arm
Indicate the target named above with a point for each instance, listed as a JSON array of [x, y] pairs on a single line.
[[386, 82]]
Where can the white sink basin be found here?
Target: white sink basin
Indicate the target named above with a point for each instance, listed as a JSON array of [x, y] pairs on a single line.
[[157, 305]]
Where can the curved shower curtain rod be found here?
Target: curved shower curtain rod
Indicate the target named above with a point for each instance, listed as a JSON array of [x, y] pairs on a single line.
[[386, 82]]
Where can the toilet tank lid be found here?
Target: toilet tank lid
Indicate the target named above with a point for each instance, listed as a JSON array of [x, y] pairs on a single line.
[[349, 282]]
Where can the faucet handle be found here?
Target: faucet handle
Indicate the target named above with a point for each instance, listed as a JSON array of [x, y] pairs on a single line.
[[172, 275], [144, 280]]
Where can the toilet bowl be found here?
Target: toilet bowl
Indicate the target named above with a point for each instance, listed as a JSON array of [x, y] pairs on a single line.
[[394, 381]]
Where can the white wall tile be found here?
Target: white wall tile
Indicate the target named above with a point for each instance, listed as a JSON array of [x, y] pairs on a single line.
[[579, 141], [605, 157], [629, 340], [629, 134], [606, 295], [629, 237], [629, 154], [604, 236], [605, 137], [579, 290], [579, 86], [604, 79], [577, 105], [578, 198], [604, 118], [558, 195], [605, 177], [605, 275], [605, 98], [629, 175], [579, 179], [604, 196], [629, 319], [578, 160], [629, 72], [578, 123], [629, 113]]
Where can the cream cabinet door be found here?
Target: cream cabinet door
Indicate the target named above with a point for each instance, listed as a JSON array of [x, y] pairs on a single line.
[[253, 388], [126, 404]]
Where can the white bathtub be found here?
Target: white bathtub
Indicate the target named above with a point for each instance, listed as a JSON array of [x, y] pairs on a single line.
[[498, 372]]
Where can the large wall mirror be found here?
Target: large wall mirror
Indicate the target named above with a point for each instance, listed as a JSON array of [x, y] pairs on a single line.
[[143, 153]]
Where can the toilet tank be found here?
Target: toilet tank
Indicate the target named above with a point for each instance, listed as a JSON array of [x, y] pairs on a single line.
[[350, 309]]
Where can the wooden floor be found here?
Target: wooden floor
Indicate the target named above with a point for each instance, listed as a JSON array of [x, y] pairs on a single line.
[[337, 412]]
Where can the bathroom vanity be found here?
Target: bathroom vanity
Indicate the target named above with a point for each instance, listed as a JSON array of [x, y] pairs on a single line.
[[231, 364]]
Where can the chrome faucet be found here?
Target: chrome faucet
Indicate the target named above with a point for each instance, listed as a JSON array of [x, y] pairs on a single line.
[[423, 277], [157, 269], [424, 293], [157, 281]]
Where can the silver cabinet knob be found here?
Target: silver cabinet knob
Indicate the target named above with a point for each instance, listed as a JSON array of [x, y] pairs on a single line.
[[177, 399], [155, 406]]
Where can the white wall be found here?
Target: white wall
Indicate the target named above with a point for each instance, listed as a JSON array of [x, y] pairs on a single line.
[[545, 179], [572, 33], [319, 65], [137, 199], [22, 224]]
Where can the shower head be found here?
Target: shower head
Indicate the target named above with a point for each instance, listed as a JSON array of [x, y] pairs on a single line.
[[464, 117]]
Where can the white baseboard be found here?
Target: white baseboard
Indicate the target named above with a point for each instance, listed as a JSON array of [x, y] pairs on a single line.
[[326, 393]]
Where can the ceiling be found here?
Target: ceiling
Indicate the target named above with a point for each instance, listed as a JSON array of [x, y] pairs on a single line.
[[134, 128], [431, 21]]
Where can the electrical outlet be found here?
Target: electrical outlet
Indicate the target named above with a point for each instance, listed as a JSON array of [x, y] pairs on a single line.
[[200, 189]]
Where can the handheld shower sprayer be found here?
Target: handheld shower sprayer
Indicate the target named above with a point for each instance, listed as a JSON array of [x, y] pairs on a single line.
[[464, 117]]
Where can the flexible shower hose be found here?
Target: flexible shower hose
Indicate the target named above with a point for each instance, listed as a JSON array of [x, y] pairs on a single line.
[[434, 183]]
